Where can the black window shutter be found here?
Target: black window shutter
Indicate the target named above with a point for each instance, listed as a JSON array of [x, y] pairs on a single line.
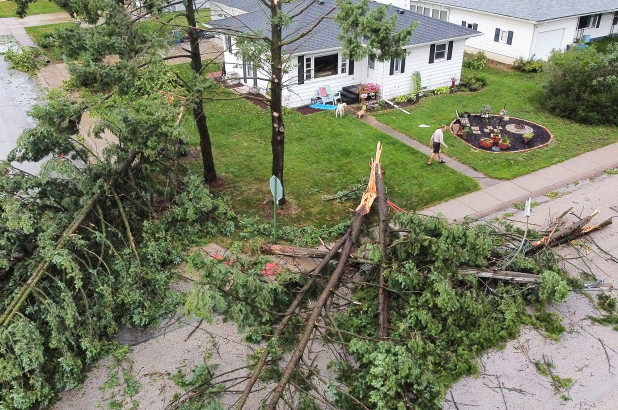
[[475, 26], [255, 81], [403, 64], [599, 20], [301, 69], [351, 67], [509, 39], [463, 23], [449, 53], [432, 53], [497, 35], [392, 67], [228, 43]]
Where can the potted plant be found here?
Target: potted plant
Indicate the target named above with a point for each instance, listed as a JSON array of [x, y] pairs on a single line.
[[504, 144], [486, 111], [495, 137], [527, 137], [486, 143]]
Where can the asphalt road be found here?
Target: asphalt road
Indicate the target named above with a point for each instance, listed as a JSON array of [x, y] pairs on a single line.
[[18, 94]]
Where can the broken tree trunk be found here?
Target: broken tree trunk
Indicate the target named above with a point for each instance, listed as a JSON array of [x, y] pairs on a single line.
[[567, 234], [317, 309], [517, 277], [38, 272], [310, 253], [288, 314], [383, 238]]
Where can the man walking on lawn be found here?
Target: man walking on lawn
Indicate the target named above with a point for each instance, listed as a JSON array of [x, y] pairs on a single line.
[[437, 139]]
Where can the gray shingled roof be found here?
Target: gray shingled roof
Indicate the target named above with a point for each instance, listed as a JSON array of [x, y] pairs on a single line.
[[245, 5], [535, 10], [324, 36]]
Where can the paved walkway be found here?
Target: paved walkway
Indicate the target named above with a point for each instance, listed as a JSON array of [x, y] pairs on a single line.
[[13, 26], [496, 195]]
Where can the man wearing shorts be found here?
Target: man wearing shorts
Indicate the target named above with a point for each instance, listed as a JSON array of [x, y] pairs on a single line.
[[437, 139]]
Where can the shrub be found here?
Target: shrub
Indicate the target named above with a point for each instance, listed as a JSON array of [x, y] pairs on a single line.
[[26, 59], [530, 65], [416, 79], [582, 85], [442, 90], [472, 82], [476, 62]]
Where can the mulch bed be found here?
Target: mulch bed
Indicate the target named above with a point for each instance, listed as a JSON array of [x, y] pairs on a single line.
[[306, 110], [541, 138]]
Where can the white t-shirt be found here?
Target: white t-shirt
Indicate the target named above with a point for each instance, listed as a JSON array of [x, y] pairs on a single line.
[[437, 136]]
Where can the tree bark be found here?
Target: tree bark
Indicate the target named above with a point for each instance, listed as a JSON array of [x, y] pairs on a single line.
[[208, 162], [277, 141], [315, 313], [383, 238], [298, 252], [509, 276]]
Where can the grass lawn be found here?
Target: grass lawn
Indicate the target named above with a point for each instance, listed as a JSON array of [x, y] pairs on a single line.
[[522, 95], [323, 155], [37, 33], [7, 8]]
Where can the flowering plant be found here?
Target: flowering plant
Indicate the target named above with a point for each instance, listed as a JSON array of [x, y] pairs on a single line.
[[485, 111], [368, 88]]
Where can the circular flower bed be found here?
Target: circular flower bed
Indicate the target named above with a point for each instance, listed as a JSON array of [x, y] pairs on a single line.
[[515, 130]]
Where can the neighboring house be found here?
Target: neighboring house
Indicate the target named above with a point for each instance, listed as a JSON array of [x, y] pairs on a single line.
[[435, 50], [524, 28], [219, 9]]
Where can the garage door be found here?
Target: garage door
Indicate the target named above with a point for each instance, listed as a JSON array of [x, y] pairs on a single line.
[[548, 41]]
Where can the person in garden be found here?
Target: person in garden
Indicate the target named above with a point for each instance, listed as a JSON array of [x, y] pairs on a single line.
[[436, 141]]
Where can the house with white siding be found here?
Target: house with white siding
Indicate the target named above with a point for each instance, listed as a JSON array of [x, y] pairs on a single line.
[[523, 28], [435, 51]]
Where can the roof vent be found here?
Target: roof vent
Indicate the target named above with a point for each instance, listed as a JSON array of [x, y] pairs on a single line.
[[399, 11], [320, 1]]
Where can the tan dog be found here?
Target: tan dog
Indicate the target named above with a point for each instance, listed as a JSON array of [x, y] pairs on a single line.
[[340, 110], [362, 112]]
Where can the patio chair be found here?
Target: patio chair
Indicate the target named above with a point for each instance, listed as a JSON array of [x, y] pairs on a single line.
[[336, 97], [325, 96]]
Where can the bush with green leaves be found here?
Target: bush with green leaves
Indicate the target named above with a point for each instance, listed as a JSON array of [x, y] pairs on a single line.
[[476, 62], [472, 82], [530, 65], [25, 59], [442, 90], [583, 85]]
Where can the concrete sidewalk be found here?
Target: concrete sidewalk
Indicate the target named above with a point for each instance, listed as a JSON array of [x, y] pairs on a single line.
[[483, 180], [506, 193], [13, 26]]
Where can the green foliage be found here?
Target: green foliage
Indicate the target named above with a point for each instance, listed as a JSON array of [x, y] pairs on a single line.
[[367, 31], [472, 82], [530, 65], [607, 304], [476, 62], [439, 321], [582, 85], [416, 81], [442, 90], [25, 59], [32, 7]]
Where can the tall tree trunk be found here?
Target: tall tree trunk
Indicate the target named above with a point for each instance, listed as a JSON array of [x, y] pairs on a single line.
[[210, 174], [277, 141]]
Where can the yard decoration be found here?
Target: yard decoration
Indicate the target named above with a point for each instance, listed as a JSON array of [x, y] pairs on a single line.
[[527, 137], [496, 137], [504, 144], [486, 142], [467, 131], [486, 111]]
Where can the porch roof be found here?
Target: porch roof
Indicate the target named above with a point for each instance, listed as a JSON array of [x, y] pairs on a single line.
[[535, 10], [324, 36]]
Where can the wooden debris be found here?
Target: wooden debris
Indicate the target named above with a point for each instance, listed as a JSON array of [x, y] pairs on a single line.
[[510, 276], [384, 239], [310, 253]]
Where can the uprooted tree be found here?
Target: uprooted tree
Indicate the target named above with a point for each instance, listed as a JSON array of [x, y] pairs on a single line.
[[399, 331]]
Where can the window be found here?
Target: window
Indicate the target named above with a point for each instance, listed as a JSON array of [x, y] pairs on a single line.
[[420, 9], [427, 11], [590, 21], [322, 66], [371, 63], [308, 68], [440, 51], [397, 65], [228, 43], [503, 36], [344, 65], [443, 15], [473, 26], [435, 13]]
